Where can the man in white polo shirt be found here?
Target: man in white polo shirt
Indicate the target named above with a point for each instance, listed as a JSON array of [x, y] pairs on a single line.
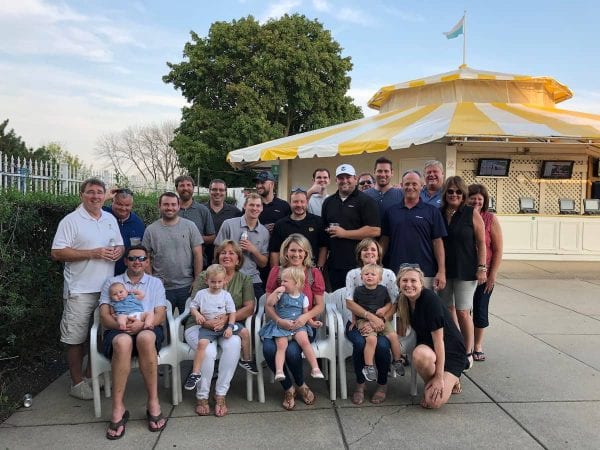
[[88, 242]]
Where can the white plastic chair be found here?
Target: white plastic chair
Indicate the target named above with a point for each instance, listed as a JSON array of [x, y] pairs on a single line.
[[323, 347], [101, 365], [187, 353], [344, 346]]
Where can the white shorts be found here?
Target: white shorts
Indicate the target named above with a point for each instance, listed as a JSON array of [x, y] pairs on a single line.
[[77, 316]]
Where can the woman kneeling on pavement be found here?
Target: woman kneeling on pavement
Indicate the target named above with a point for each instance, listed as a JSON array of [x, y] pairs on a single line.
[[229, 255], [295, 252], [439, 356]]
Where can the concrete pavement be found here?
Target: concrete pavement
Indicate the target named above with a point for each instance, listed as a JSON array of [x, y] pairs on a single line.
[[539, 388]]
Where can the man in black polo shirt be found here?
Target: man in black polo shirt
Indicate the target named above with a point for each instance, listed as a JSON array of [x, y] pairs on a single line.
[[219, 209], [349, 217], [300, 221], [273, 208]]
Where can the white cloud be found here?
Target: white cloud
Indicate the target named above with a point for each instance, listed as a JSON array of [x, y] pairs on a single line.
[[361, 96], [39, 11], [321, 5], [404, 15], [354, 16], [278, 9]]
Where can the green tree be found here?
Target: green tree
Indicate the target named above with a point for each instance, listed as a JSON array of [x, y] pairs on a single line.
[[11, 144], [248, 83], [53, 151]]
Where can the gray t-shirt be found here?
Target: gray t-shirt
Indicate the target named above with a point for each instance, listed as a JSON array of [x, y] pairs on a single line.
[[200, 215], [259, 236], [171, 249], [315, 203]]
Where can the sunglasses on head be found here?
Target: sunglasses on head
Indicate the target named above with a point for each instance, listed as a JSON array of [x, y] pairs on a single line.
[[454, 191], [124, 191], [362, 183], [137, 258], [297, 189], [409, 266]]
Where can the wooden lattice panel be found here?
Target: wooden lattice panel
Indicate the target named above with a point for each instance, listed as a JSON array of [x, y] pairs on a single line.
[[524, 181]]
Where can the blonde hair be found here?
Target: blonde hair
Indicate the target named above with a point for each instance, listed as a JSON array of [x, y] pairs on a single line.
[[296, 274], [402, 308], [114, 285], [214, 269], [373, 267], [300, 240]]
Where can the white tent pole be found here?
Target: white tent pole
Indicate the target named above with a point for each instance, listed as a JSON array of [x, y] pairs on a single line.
[[465, 40]]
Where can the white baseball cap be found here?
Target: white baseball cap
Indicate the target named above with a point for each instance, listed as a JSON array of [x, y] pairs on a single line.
[[346, 169]]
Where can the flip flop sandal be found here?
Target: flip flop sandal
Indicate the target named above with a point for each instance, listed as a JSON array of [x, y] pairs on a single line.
[[358, 397], [155, 419], [114, 426], [202, 407], [379, 396], [220, 406], [307, 395], [457, 388], [479, 356], [289, 402]]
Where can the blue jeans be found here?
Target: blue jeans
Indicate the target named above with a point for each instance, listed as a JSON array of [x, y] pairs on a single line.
[[383, 356], [481, 302], [178, 297], [293, 361]]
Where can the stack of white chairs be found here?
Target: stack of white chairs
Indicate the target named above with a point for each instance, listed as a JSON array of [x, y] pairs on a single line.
[[101, 365], [187, 353], [324, 347]]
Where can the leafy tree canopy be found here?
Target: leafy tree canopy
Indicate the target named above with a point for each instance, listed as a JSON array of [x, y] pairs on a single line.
[[248, 83]]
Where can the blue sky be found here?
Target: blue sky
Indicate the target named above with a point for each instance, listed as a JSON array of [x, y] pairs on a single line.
[[71, 71]]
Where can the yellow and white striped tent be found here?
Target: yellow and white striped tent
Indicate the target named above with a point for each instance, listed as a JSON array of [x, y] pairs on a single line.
[[462, 104]]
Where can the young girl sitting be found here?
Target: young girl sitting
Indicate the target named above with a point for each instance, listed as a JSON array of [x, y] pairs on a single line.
[[206, 305], [289, 303], [374, 297], [127, 304]]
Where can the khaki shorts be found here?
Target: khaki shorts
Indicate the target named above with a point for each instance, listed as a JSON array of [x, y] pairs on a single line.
[[387, 329], [78, 312]]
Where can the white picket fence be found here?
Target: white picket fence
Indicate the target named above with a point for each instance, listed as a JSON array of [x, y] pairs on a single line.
[[27, 175]]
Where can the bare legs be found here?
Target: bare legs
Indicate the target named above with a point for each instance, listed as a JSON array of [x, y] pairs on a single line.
[[423, 359]]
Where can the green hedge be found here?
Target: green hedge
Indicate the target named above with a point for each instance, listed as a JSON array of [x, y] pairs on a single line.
[[30, 282]]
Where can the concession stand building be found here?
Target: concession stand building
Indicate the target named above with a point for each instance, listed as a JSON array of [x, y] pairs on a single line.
[[540, 163]]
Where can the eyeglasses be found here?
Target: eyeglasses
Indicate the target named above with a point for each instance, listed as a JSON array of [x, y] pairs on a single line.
[[362, 183], [137, 258], [217, 190], [409, 266], [454, 191], [297, 189]]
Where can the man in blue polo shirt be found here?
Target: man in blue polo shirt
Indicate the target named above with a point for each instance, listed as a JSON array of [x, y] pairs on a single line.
[[130, 225], [349, 217], [412, 233], [383, 192], [434, 180]]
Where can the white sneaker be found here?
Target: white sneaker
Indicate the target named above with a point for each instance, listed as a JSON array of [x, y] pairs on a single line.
[[100, 380], [82, 391]]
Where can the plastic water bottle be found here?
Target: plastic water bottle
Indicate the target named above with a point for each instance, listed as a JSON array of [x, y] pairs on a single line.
[[27, 400], [112, 242], [244, 235]]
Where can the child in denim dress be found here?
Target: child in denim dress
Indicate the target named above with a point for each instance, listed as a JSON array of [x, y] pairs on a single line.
[[289, 303]]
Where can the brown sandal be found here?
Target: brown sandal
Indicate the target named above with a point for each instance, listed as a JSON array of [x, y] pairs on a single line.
[[457, 388], [202, 407], [358, 397], [307, 395], [220, 406], [289, 402], [379, 395]]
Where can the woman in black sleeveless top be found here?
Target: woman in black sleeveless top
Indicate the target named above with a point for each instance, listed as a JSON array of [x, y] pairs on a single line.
[[464, 248]]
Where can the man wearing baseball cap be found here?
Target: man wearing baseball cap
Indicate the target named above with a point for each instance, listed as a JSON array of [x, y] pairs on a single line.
[[349, 217], [274, 208]]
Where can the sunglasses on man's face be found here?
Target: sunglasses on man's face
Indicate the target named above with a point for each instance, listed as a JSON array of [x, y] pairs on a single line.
[[137, 258], [362, 183]]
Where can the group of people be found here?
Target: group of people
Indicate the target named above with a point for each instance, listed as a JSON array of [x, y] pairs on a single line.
[[427, 253]]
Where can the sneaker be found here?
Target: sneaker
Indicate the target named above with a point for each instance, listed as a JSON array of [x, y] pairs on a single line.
[[249, 366], [316, 373], [192, 381], [398, 366], [89, 381], [82, 391], [279, 376], [370, 373]]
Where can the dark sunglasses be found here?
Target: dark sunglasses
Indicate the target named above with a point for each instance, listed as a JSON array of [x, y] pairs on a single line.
[[454, 191], [137, 258], [409, 266], [124, 191], [362, 183]]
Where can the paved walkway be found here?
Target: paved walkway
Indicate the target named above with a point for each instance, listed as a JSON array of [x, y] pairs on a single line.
[[540, 388]]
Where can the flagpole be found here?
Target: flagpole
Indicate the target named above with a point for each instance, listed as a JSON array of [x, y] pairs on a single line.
[[464, 64]]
